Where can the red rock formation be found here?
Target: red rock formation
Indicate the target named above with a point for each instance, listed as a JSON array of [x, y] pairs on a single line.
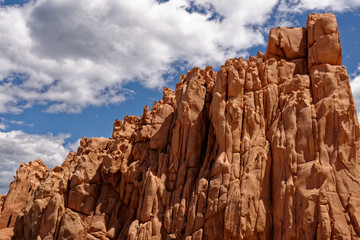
[[263, 149], [28, 178]]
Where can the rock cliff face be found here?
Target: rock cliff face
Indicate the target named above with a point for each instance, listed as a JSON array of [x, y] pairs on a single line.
[[28, 178], [266, 148]]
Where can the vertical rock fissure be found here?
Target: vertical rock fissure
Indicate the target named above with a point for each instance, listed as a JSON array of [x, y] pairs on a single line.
[[9, 221]]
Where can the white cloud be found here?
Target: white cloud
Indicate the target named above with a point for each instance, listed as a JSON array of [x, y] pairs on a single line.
[[5, 123], [74, 145], [73, 54], [18, 146], [355, 88], [329, 5]]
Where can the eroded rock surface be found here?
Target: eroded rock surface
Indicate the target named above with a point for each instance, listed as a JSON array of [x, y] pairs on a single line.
[[266, 148], [27, 179]]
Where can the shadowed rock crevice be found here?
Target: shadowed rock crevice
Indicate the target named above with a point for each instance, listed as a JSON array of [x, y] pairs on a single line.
[[265, 148]]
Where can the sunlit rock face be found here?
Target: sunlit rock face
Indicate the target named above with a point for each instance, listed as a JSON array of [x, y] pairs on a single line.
[[266, 148], [27, 179]]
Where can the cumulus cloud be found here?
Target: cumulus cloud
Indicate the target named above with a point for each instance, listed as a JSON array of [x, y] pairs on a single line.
[[329, 5], [18, 146], [355, 88], [67, 55]]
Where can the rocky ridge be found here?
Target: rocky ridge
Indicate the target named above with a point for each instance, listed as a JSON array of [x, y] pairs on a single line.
[[266, 148]]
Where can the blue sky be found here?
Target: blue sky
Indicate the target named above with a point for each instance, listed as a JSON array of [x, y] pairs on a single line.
[[70, 68]]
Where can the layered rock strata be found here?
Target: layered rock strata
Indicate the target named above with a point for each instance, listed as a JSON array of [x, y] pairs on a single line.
[[266, 148]]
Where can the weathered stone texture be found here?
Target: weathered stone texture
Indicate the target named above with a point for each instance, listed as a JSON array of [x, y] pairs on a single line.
[[266, 148], [26, 181]]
